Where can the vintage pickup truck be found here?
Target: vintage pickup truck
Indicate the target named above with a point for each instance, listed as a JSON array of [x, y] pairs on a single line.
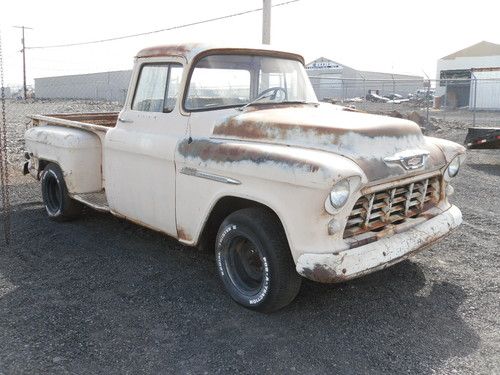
[[228, 149]]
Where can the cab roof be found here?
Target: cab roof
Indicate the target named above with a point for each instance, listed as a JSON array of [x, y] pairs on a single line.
[[189, 51]]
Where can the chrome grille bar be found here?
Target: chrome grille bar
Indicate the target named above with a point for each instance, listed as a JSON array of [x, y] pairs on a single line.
[[390, 202], [392, 206], [369, 210], [423, 193], [408, 198]]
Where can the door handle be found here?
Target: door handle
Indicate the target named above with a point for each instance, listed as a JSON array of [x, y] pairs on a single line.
[[125, 121]]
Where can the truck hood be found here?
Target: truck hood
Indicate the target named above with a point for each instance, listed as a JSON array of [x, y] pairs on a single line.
[[364, 138]]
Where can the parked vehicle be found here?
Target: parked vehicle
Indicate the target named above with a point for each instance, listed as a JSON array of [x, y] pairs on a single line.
[[424, 94], [228, 149], [393, 96], [356, 99], [374, 96], [483, 138]]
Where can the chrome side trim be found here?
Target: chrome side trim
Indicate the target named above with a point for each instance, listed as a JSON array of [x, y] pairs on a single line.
[[209, 176]]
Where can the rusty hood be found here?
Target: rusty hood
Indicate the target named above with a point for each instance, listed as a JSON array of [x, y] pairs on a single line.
[[369, 140]]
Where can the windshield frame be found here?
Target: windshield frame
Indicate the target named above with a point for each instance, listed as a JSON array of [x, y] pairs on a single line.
[[242, 52]]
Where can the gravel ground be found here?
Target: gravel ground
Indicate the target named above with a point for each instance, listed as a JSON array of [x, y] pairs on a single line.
[[102, 295], [19, 110]]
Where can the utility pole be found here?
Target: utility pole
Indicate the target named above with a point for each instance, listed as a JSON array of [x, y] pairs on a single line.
[[266, 22], [24, 59]]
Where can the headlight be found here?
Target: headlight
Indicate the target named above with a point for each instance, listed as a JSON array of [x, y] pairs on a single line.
[[453, 168], [340, 194]]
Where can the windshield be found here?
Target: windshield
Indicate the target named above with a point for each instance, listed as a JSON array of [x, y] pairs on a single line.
[[222, 81]]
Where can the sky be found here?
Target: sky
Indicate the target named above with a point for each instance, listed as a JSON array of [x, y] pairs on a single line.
[[405, 37]]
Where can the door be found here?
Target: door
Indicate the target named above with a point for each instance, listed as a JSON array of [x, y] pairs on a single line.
[[138, 158]]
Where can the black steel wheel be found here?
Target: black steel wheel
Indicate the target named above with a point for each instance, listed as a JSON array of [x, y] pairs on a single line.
[[254, 260], [58, 203], [245, 265]]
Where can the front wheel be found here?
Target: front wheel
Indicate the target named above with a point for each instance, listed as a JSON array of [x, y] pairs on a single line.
[[254, 261], [58, 203]]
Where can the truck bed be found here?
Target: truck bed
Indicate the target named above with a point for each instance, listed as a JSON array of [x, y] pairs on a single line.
[[97, 122]]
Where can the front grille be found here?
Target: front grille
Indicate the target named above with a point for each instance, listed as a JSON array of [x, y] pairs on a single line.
[[373, 212]]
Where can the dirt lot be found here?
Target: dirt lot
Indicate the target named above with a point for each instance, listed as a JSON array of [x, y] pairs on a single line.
[[101, 295]]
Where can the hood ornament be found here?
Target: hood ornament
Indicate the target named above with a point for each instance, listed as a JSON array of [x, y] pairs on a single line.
[[408, 159]]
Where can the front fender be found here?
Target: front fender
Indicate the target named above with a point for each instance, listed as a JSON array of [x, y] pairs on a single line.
[[291, 181], [293, 165], [448, 148]]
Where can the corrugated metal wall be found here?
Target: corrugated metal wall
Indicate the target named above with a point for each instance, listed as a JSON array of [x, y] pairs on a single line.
[[111, 86], [488, 90]]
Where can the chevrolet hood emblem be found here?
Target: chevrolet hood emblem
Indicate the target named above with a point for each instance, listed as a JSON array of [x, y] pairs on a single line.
[[408, 159]]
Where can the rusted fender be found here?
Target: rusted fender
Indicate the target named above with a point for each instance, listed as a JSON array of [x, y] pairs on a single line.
[[298, 166], [448, 148]]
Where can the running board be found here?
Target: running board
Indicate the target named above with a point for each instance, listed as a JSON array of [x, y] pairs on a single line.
[[97, 200]]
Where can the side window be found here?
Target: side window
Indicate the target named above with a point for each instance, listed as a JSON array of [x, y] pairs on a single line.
[[150, 90], [174, 85], [157, 88]]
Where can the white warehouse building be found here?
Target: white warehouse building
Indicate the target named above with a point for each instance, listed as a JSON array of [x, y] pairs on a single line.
[[332, 80], [471, 77], [110, 86]]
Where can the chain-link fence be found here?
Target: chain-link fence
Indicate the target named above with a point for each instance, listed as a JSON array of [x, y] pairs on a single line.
[[466, 102], [474, 102]]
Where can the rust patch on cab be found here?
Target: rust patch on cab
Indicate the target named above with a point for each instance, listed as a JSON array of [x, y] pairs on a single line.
[[167, 50]]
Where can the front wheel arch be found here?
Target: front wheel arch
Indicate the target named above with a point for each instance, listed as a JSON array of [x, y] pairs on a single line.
[[221, 209]]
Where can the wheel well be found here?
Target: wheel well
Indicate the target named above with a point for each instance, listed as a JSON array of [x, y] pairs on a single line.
[[42, 164], [223, 208]]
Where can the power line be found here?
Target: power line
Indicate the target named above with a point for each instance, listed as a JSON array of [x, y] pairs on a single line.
[[162, 30]]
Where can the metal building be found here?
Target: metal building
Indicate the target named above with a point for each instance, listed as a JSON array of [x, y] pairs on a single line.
[[332, 80], [470, 77], [110, 86], [485, 88]]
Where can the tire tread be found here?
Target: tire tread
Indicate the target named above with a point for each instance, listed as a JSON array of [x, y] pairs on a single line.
[[286, 282]]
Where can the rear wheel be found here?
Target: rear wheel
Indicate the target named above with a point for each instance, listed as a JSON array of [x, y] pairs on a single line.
[[254, 260], [58, 204]]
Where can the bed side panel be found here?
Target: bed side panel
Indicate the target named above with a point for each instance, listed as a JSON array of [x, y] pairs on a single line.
[[76, 151]]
